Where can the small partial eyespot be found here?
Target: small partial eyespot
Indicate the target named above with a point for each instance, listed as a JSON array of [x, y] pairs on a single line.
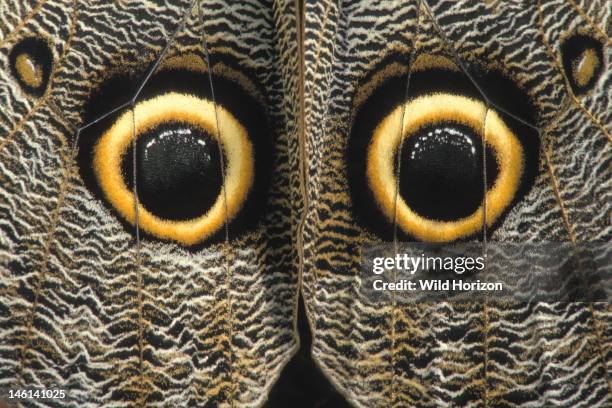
[[582, 61], [197, 167], [428, 173], [31, 61]]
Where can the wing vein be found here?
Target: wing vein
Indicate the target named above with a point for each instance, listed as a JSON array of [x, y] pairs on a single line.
[[49, 235], [227, 249], [398, 163]]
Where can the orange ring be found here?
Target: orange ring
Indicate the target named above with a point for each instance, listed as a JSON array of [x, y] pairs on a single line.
[[172, 106], [424, 111]]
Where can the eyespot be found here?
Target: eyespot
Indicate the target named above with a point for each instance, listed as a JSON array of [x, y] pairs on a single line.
[[30, 62], [441, 191], [582, 61], [181, 158], [180, 179], [439, 149]]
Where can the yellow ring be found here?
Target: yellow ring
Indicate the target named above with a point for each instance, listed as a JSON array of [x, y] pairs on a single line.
[[195, 111], [425, 111]]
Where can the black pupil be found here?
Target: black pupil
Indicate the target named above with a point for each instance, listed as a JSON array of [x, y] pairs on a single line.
[[178, 171], [441, 171]]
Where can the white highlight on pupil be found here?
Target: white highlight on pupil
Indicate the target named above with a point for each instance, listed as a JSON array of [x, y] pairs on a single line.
[[458, 141]]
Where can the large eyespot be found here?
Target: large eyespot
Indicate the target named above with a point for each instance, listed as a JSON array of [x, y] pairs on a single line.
[[178, 168], [582, 61], [31, 61], [441, 188], [439, 149], [196, 168]]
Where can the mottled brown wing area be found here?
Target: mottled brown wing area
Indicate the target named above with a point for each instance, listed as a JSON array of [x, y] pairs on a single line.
[[448, 354], [80, 308]]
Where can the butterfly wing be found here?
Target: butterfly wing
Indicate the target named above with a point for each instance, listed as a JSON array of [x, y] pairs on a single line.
[[92, 307], [501, 354]]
